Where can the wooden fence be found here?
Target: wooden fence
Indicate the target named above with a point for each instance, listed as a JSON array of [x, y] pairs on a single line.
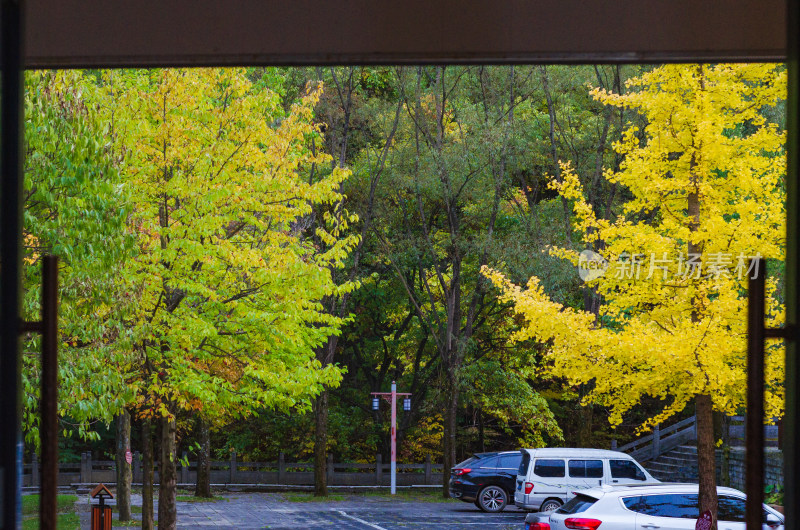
[[234, 472]]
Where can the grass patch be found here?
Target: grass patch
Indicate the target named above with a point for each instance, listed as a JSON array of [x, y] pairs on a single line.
[[192, 498], [64, 503], [308, 497], [65, 521], [136, 509], [65, 506]]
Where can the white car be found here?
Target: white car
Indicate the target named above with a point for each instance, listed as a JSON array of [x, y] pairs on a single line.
[[651, 507], [549, 477]]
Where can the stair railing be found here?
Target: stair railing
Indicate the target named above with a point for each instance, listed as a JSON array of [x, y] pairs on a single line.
[[660, 441]]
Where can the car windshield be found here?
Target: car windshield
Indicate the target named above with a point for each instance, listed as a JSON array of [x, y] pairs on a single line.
[[579, 503]]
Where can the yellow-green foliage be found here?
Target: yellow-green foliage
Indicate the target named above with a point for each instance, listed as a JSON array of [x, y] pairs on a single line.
[[227, 283], [665, 332], [76, 209]]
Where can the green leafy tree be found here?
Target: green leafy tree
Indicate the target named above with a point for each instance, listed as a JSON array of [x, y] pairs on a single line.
[[76, 208], [449, 175], [228, 312]]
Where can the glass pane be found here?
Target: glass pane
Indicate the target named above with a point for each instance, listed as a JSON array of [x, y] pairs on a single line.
[[465, 463], [679, 505], [549, 468], [594, 469], [625, 469], [489, 463], [634, 504], [510, 461], [523, 466], [577, 504], [730, 509], [577, 468]]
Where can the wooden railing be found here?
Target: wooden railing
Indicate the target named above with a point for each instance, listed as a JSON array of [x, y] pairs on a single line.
[[232, 471], [661, 441]]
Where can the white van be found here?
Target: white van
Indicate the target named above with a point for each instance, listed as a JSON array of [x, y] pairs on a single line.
[[548, 477]]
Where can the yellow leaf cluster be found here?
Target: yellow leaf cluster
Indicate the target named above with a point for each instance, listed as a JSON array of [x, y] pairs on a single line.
[[663, 330], [228, 281]]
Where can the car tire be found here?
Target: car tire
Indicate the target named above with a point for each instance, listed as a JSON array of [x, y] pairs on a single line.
[[550, 505], [492, 499]]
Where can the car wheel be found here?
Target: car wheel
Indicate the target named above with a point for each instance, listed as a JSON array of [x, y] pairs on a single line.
[[550, 505], [492, 499]]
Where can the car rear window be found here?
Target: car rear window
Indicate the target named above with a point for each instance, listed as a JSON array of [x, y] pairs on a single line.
[[586, 468], [523, 466], [466, 462], [577, 504], [548, 468]]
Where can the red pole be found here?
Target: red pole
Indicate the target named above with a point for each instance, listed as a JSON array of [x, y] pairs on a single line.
[[394, 438]]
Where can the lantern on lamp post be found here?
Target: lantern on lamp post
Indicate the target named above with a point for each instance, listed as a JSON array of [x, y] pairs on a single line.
[[391, 397]]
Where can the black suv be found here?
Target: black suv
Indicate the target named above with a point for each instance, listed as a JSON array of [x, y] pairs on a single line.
[[486, 479]]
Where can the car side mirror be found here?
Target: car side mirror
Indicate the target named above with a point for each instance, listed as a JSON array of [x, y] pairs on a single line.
[[773, 520]]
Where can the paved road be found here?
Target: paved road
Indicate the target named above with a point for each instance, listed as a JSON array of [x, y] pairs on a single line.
[[243, 511]]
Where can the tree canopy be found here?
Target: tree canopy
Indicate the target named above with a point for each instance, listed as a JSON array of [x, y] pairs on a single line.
[[241, 247], [76, 208], [705, 178]]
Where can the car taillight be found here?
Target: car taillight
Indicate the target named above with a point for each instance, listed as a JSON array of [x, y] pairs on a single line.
[[580, 523], [459, 472], [528, 488], [537, 526]]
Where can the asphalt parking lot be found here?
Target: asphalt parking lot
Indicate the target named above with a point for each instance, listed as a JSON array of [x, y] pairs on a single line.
[[274, 511], [300, 511]]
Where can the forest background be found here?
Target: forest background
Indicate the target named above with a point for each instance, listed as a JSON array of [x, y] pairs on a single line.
[[429, 174]]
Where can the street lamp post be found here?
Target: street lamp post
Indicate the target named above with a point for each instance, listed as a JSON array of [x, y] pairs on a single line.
[[391, 397]]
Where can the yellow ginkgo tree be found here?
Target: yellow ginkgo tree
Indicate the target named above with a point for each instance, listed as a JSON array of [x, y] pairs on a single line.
[[704, 194]]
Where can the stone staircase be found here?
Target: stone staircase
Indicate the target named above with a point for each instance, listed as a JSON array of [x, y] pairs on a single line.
[[670, 454], [662, 441], [676, 465]]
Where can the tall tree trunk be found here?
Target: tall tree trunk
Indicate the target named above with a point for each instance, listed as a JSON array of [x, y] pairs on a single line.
[[124, 470], [147, 475], [551, 109], [167, 477], [585, 426], [706, 468], [321, 444], [481, 438], [325, 357], [449, 439], [203, 486]]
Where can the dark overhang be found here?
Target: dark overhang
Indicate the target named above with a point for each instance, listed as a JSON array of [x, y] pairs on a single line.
[[121, 33]]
